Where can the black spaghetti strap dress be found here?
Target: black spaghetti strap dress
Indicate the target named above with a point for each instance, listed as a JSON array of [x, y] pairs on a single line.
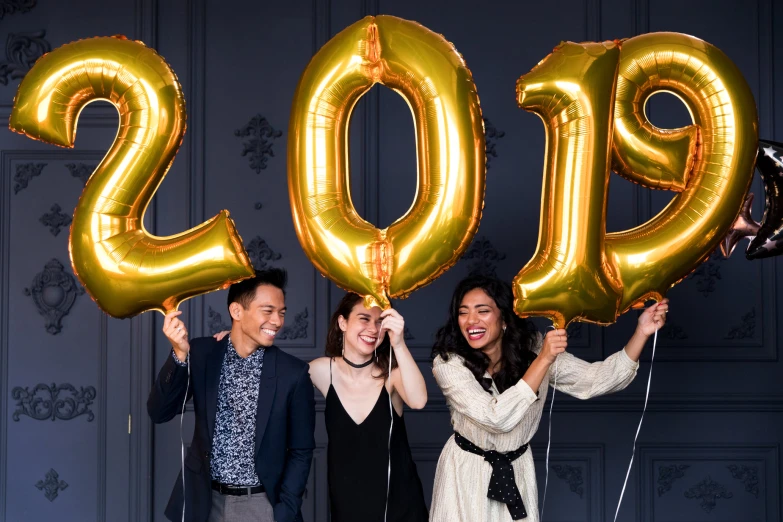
[[358, 465]]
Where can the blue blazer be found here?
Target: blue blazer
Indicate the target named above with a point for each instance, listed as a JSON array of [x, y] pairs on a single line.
[[285, 422]]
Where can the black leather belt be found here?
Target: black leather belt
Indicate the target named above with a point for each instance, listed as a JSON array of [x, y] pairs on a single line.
[[227, 489]]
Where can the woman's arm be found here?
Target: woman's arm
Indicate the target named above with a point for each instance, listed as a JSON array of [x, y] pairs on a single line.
[[552, 345], [319, 374], [652, 319], [464, 394], [406, 379], [585, 380]]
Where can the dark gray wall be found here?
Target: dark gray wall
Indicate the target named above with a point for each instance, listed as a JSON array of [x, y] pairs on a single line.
[[710, 446]]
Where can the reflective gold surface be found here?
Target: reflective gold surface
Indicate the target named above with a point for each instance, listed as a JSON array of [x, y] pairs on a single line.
[[579, 271], [656, 255], [572, 90], [433, 79], [125, 269]]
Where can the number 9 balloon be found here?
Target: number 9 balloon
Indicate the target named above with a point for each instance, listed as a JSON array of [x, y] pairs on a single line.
[[125, 269], [431, 76]]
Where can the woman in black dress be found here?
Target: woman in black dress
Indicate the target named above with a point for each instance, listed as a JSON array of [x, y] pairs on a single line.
[[372, 476]]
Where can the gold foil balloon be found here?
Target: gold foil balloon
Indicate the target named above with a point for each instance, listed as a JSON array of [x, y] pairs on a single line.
[[572, 90], [659, 253], [709, 164], [125, 269], [433, 79]]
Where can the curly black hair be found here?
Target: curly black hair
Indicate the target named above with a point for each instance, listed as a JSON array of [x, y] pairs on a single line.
[[516, 348]]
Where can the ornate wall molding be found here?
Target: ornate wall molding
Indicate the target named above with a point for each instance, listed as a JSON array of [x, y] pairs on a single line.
[[51, 485], [708, 492], [297, 330], [672, 331], [259, 146], [55, 219], [708, 274], [54, 291], [44, 402], [572, 475], [667, 475], [747, 327], [748, 475], [215, 322], [22, 50], [83, 171], [8, 7], [492, 135], [484, 257], [581, 466], [261, 253], [24, 173]]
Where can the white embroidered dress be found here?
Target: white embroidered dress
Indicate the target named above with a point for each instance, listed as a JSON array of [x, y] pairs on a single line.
[[504, 422]]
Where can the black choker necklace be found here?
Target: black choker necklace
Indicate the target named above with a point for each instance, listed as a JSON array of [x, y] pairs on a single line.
[[363, 365]]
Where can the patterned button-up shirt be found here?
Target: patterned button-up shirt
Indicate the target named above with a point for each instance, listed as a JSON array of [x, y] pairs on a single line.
[[233, 445]]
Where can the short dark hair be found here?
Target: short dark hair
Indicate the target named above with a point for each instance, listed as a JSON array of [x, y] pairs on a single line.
[[244, 291]]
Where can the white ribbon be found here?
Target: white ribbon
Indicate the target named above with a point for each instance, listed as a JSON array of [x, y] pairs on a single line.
[[182, 440], [391, 411], [633, 451], [549, 442]]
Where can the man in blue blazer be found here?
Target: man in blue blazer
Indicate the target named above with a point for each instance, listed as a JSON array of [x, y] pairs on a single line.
[[255, 412]]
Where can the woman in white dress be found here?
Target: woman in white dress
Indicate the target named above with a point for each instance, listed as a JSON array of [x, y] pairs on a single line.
[[494, 371]]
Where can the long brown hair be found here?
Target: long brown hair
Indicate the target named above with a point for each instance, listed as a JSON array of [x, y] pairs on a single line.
[[334, 338]]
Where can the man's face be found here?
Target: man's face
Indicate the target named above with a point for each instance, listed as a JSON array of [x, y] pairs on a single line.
[[264, 316]]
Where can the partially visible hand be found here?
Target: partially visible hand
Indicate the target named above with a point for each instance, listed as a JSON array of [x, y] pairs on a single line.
[[555, 343], [220, 335], [653, 318], [175, 331], [393, 323]]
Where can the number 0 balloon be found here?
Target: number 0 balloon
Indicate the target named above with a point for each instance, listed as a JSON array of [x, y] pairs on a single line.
[[432, 77], [125, 269]]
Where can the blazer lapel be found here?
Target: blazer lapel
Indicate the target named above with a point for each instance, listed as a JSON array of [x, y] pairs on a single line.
[[214, 368], [266, 393]]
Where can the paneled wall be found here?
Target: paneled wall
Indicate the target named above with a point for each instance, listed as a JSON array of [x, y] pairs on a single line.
[[75, 441]]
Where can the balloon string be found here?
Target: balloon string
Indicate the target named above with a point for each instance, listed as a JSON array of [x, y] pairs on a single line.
[[633, 451], [549, 442], [391, 427], [182, 440]]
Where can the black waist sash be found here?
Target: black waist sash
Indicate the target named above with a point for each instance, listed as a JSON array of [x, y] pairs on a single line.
[[502, 486]]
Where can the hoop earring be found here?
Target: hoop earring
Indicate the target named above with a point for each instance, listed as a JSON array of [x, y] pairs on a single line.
[[376, 355], [343, 352]]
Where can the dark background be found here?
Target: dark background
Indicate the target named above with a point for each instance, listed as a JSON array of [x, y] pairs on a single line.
[[710, 446]]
